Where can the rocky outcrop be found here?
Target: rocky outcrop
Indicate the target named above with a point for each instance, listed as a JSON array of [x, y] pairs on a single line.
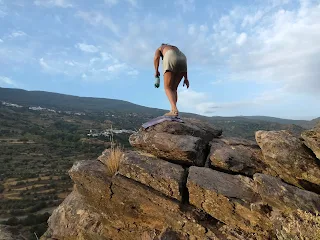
[[185, 143], [290, 159], [312, 140], [236, 155], [285, 197], [227, 198], [166, 177], [165, 192]]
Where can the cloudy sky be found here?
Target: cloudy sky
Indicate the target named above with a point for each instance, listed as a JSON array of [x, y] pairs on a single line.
[[245, 57]]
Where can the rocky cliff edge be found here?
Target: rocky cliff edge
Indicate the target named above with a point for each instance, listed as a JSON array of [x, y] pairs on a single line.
[[188, 181]]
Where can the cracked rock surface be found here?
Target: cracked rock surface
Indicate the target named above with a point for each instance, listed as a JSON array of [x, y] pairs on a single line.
[[236, 155], [160, 175], [290, 159], [184, 143], [227, 198], [163, 190]]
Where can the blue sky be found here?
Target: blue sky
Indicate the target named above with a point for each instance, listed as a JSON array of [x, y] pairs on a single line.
[[257, 57]]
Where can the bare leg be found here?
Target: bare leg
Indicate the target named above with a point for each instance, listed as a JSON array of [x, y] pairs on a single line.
[[169, 78], [178, 79]]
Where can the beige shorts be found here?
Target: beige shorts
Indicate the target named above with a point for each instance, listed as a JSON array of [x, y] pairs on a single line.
[[174, 61]]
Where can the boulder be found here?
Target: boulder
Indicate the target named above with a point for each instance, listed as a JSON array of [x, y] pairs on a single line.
[[227, 198], [285, 197], [163, 176], [183, 143], [236, 155], [312, 140], [290, 159], [190, 126], [75, 219], [102, 207]]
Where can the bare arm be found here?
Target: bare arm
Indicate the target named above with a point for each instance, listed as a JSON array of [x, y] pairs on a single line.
[[156, 60]]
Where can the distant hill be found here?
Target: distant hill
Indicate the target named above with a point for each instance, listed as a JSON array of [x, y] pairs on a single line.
[[65, 102], [302, 123], [242, 126]]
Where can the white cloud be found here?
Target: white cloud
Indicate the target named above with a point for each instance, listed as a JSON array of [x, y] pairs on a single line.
[[103, 67], [200, 102], [241, 39], [277, 45], [284, 50], [216, 82], [191, 29], [133, 72], [1, 41], [97, 19], [3, 10], [250, 20], [186, 5], [44, 65], [87, 48], [111, 2], [57, 19], [16, 34], [53, 3], [133, 2], [7, 81]]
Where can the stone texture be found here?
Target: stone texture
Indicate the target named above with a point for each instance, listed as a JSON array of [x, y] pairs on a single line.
[[227, 198], [290, 159], [285, 197], [236, 155], [5, 234], [191, 127], [76, 220], [312, 140], [181, 149], [183, 143], [124, 209], [163, 176]]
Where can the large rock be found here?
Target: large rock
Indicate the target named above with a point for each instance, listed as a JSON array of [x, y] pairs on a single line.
[[75, 219], [191, 127], [184, 143], [163, 176], [227, 198], [116, 207], [290, 159], [285, 197], [236, 155], [312, 140]]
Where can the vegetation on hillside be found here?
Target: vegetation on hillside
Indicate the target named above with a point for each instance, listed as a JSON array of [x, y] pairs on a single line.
[[39, 147]]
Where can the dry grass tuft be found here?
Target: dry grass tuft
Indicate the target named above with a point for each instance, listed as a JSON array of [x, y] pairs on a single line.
[[300, 226], [114, 157]]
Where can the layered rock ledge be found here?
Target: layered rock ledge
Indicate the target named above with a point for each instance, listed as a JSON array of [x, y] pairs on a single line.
[[188, 181]]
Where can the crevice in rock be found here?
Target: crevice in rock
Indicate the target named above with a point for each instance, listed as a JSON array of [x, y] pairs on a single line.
[[305, 185], [266, 209], [206, 150], [229, 172], [181, 163], [111, 191], [309, 186], [150, 189], [310, 151], [184, 191]]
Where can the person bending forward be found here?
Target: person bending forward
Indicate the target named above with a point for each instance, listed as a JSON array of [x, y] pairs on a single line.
[[174, 69]]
